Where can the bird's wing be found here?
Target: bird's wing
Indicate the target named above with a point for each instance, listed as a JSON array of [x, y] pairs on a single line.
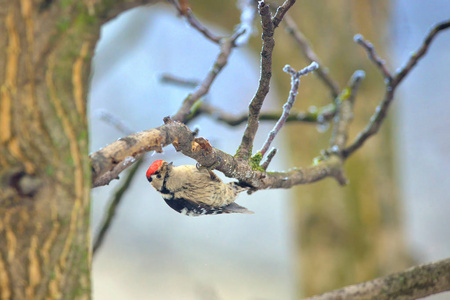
[[190, 208]]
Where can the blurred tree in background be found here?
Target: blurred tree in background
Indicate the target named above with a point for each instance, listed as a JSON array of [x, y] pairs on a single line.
[[353, 233]]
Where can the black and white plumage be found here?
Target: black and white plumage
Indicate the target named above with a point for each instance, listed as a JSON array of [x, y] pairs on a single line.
[[194, 191]]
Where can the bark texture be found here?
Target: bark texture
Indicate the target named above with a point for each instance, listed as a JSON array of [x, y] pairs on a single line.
[[46, 49]]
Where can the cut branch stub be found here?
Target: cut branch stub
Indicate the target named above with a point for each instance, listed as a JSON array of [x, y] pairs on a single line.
[[201, 144]]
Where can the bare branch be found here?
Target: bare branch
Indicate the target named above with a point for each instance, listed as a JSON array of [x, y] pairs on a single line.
[[185, 10], [105, 161], [420, 52], [248, 13], [221, 60], [113, 173], [380, 63], [295, 82], [113, 120], [270, 156], [244, 150], [374, 125], [281, 11], [321, 116], [183, 82], [413, 283], [226, 45], [344, 104], [310, 55], [391, 84], [113, 205]]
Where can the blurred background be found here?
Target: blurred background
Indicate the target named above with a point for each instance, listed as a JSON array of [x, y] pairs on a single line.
[[303, 241]]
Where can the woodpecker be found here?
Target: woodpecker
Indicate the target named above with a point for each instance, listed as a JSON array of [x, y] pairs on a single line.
[[194, 191]]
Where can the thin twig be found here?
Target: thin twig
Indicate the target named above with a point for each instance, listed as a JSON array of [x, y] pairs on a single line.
[[248, 13], [118, 196], [256, 103], [344, 104], [320, 116], [183, 82], [203, 88], [113, 120], [413, 283], [281, 11], [380, 63], [226, 45], [420, 52], [310, 55], [113, 205], [185, 11], [295, 82], [269, 158], [391, 84]]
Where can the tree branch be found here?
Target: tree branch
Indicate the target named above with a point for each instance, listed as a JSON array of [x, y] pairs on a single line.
[[321, 116], [269, 158], [344, 107], [107, 9], [420, 52], [182, 82], [226, 45], [245, 149], [184, 10], [203, 88], [105, 162], [310, 55], [113, 205], [281, 12], [391, 84], [413, 283], [380, 63], [248, 14], [295, 82]]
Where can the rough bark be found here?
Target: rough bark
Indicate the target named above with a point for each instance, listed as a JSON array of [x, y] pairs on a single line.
[[44, 208], [45, 177]]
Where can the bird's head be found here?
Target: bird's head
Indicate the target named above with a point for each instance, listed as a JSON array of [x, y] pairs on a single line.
[[157, 172]]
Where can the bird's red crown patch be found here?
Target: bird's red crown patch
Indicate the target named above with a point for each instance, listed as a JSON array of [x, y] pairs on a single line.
[[153, 167]]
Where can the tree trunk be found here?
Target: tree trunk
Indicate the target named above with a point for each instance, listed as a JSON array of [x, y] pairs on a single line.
[[45, 177]]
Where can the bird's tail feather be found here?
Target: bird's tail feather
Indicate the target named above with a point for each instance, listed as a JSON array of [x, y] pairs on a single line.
[[236, 208]]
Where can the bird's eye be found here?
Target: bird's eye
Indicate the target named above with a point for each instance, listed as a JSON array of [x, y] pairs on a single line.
[[158, 176]]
